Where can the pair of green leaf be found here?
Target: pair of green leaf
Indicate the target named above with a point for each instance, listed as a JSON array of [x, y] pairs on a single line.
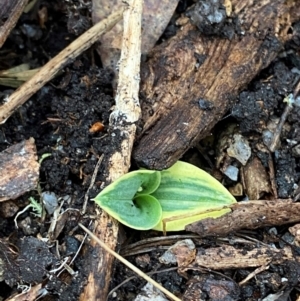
[[144, 199]]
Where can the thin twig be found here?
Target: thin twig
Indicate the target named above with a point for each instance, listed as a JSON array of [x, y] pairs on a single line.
[[161, 242], [133, 277], [290, 99], [272, 176], [129, 265], [76, 254], [254, 273], [10, 23], [276, 136], [86, 196], [48, 71]]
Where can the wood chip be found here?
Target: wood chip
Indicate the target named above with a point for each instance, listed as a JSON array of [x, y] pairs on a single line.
[[229, 257], [255, 179], [19, 170]]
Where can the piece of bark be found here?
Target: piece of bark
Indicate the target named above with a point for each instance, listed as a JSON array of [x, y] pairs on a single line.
[[19, 170], [11, 10], [249, 215], [191, 67], [215, 289], [229, 257], [123, 125], [255, 179]]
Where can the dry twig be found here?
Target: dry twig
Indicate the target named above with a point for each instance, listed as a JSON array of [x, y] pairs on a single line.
[[122, 124], [130, 265], [12, 19], [47, 72]]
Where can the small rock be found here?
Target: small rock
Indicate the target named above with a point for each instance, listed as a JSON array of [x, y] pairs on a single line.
[[240, 149], [232, 172], [50, 201], [150, 293], [8, 209], [142, 260]]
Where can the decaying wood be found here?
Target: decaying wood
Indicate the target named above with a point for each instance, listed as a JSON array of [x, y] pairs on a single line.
[[123, 123], [249, 215], [19, 170], [11, 10], [191, 67], [229, 257], [48, 71]]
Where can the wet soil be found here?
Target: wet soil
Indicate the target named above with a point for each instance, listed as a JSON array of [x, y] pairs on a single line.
[[61, 118]]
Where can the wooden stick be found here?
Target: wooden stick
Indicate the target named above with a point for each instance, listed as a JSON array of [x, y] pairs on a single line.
[[249, 215], [122, 125], [254, 273], [48, 71], [127, 110]]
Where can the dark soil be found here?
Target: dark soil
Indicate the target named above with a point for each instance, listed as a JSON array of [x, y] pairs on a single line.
[[59, 117]]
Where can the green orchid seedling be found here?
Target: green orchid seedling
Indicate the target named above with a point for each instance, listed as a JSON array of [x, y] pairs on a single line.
[[165, 200], [129, 199]]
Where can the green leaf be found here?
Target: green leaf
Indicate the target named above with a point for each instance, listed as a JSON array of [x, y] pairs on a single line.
[[144, 199], [129, 201], [185, 189]]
